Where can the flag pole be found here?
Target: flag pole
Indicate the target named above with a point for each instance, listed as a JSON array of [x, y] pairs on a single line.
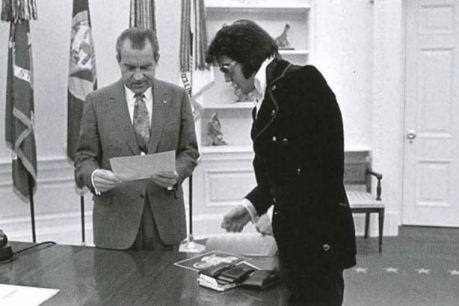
[[190, 246], [32, 210], [82, 219], [82, 80], [190, 211]]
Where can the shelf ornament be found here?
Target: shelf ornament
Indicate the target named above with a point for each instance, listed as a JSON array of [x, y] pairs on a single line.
[[214, 131], [282, 41]]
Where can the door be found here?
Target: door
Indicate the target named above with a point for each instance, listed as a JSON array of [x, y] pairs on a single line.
[[431, 147]]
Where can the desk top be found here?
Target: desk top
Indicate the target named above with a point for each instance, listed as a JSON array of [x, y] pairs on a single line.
[[92, 276]]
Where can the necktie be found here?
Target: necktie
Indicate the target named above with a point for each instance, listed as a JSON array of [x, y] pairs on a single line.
[[141, 119]]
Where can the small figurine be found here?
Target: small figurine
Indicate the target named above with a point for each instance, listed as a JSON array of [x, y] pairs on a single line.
[[282, 41], [214, 131]]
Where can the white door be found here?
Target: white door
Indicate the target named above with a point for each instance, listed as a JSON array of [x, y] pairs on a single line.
[[431, 148]]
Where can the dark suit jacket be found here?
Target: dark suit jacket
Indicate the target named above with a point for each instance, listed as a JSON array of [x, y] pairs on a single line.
[[106, 132], [299, 161]]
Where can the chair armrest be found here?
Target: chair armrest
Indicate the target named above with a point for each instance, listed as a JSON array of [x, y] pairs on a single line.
[[378, 186]]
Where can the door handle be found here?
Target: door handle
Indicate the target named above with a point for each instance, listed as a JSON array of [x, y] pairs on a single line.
[[411, 135]]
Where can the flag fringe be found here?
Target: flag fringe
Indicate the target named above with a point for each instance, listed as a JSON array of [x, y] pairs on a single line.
[[18, 10]]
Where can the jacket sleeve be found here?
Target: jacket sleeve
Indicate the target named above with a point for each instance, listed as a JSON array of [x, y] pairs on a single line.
[[260, 196], [323, 110], [88, 152]]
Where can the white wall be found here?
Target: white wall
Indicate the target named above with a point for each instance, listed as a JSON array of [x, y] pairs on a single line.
[[342, 50], [388, 104]]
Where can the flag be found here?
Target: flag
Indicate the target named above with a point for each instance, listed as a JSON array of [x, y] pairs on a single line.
[[195, 75], [19, 114], [82, 71], [142, 14]]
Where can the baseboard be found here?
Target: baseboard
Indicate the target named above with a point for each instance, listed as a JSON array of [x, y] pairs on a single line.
[[64, 228]]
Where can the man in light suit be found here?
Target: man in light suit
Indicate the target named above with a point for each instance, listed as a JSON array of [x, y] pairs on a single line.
[[136, 115]]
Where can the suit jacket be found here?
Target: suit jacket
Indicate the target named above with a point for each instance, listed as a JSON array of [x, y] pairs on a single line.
[[299, 163], [106, 131]]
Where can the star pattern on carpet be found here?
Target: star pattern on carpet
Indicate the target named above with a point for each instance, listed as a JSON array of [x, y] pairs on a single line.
[[423, 271], [391, 270], [360, 270], [453, 272], [396, 270]]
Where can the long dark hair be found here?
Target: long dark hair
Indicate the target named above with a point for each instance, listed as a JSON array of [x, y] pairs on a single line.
[[245, 42]]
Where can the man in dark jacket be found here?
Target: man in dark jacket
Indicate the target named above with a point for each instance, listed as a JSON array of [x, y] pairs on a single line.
[[298, 142]]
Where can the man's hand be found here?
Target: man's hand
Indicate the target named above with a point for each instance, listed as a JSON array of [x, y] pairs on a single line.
[[105, 180], [236, 219], [264, 226], [165, 179]]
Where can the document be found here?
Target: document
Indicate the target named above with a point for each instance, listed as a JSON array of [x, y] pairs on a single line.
[[25, 296], [130, 168]]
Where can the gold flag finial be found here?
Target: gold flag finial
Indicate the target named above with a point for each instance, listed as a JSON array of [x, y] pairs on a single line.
[[18, 10]]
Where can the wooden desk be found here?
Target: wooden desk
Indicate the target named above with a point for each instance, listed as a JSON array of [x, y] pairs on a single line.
[[91, 276]]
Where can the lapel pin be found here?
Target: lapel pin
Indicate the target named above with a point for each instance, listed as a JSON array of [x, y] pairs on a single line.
[[166, 99]]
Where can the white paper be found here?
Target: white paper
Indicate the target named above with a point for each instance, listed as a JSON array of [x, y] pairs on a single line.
[[11, 295], [138, 167]]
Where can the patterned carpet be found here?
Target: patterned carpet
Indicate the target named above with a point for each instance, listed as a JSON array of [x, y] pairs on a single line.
[[419, 267]]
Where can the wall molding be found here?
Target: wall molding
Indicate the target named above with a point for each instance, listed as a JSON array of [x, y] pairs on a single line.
[[62, 227], [50, 170]]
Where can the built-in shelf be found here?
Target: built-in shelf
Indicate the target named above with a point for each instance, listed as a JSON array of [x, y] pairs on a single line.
[[235, 105], [259, 4], [226, 149], [248, 148], [357, 148], [294, 52]]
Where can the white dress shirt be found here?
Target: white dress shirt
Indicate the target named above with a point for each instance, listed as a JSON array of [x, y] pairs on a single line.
[[130, 100], [260, 82]]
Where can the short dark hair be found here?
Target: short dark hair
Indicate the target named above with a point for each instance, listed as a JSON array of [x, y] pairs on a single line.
[[138, 38], [245, 42]]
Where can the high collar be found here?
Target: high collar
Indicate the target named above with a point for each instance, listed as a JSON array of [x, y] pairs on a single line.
[[275, 69], [260, 79]]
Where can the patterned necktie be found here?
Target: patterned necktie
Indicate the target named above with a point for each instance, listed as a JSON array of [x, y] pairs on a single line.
[[141, 118]]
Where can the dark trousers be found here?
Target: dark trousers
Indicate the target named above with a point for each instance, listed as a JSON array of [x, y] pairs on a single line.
[[323, 290], [148, 236], [312, 284]]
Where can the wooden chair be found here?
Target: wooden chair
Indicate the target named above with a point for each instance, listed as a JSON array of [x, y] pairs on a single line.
[[357, 179]]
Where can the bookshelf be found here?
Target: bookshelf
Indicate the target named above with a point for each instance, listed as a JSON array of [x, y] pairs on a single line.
[[225, 174]]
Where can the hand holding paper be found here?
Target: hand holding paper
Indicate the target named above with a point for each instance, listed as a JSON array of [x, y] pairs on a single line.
[[105, 180], [165, 179]]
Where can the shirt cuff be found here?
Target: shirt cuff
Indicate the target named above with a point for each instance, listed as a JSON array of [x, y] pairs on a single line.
[[96, 192], [251, 209]]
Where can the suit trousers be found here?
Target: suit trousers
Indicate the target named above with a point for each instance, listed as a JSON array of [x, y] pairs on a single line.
[[148, 236]]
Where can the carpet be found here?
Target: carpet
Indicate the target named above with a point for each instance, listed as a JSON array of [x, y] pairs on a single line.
[[419, 267]]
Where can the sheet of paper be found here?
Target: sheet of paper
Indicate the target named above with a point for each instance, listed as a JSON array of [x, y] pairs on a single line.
[[138, 167], [25, 296]]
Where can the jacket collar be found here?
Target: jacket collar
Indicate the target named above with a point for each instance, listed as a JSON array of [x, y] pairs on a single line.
[[269, 107]]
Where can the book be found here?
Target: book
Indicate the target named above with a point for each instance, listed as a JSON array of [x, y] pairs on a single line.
[[261, 279], [215, 284], [218, 269], [237, 273], [225, 276]]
